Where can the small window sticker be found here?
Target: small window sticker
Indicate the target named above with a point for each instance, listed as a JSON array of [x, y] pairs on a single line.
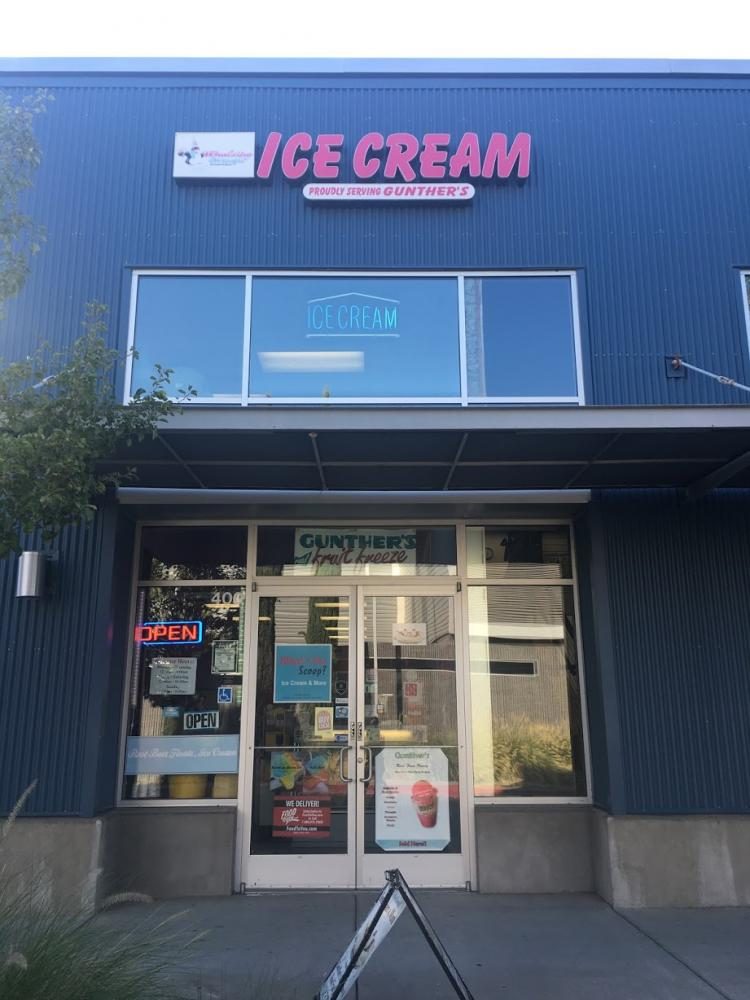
[[410, 634], [224, 656]]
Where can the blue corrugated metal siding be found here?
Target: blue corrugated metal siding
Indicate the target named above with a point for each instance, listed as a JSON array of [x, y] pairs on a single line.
[[679, 582], [641, 184], [114, 645], [46, 670]]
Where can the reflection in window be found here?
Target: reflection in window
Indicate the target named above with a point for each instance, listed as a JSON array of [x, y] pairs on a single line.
[[300, 744], [520, 337], [354, 337], [500, 552], [193, 325], [185, 694], [527, 724], [193, 553], [355, 551]]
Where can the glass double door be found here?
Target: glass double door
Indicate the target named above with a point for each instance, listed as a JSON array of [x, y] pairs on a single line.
[[357, 756]]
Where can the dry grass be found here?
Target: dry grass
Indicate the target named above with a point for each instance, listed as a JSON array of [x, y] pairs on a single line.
[[56, 952], [533, 755]]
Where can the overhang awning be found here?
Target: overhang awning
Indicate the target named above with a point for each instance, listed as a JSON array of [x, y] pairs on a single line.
[[444, 450]]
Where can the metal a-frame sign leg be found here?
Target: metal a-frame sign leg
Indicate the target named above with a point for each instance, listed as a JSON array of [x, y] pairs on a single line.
[[393, 900]]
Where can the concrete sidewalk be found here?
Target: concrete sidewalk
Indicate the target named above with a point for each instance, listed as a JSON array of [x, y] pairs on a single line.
[[509, 947]]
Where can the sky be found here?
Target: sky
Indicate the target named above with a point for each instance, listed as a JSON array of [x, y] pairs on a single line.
[[657, 29]]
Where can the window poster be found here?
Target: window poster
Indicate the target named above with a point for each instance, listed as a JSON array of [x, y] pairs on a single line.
[[224, 656], [411, 799], [324, 722], [301, 783], [173, 675], [302, 673], [306, 818], [203, 754]]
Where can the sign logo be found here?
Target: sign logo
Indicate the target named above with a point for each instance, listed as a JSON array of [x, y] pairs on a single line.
[[169, 633], [352, 312], [214, 155], [355, 550]]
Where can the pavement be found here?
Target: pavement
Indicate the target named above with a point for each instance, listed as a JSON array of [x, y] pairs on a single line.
[[279, 946]]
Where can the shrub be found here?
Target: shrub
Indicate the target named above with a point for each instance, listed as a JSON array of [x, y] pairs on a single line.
[[53, 952]]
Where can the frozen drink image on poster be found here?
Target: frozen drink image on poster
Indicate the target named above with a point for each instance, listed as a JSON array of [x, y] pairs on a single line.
[[411, 799], [424, 797]]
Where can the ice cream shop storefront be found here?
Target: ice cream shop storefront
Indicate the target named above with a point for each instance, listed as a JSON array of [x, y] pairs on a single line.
[[355, 687], [442, 563]]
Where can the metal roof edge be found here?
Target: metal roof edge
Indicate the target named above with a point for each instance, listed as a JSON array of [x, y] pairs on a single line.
[[299, 417], [168, 495], [149, 66]]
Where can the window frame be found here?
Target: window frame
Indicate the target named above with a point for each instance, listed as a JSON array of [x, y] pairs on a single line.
[[463, 399], [461, 581], [571, 583]]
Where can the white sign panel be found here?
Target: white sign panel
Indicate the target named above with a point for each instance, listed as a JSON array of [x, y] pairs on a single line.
[[401, 193], [354, 550], [392, 911], [224, 656], [410, 634], [173, 675], [214, 155], [411, 799]]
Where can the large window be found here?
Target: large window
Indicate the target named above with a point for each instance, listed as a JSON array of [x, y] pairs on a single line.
[[516, 600], [194, 325], [185, 692], [526, 708], [247, 338], [520, 338], [347, 338]]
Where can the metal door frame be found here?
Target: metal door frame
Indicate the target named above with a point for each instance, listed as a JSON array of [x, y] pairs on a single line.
[[354, 869], [426, 869]]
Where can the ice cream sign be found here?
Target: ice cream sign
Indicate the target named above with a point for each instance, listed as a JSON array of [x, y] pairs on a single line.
[[354, 550], [399, 166]]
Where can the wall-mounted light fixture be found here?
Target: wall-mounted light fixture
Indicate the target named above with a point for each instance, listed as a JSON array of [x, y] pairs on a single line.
[[30, 581]]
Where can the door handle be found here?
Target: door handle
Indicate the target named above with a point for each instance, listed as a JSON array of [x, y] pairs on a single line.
[[342, 751], [367, 777]]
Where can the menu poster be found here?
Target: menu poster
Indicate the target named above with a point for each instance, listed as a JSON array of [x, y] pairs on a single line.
[[171, 675], [411, 799]]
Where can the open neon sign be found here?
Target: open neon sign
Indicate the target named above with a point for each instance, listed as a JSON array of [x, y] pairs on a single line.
[[169, 633]]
